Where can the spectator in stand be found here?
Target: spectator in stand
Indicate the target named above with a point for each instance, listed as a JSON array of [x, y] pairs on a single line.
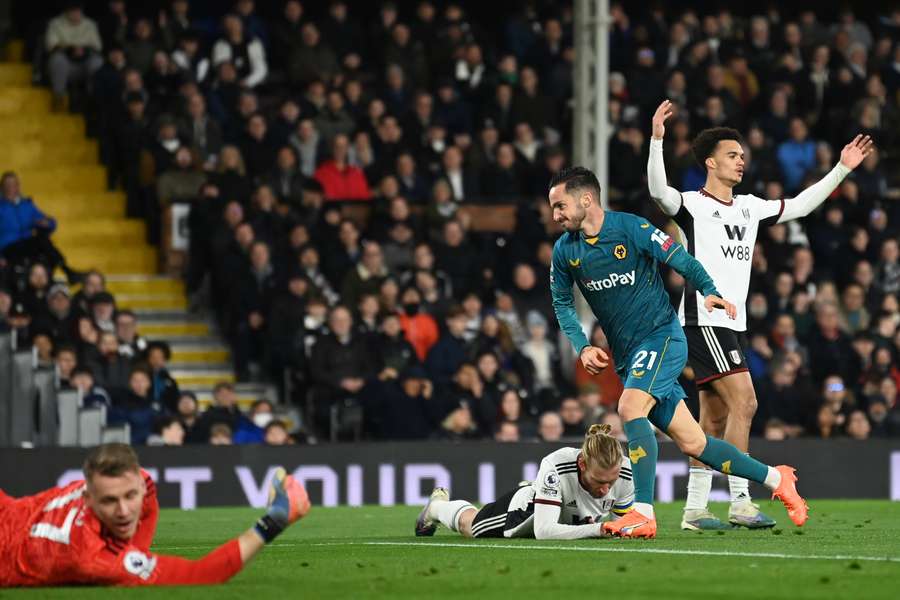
[[167, 431], [25, 231], [224, 411], [339, 367], [220, 435], [253, 429], [830, 350], [102, 311], [858, 426], [340, 180], [59, 319], [259, 286], [73, 45], [572, 415], [135, 407], [163, 387], [131, 343], [550, 427], [451, 350], [404, 408], [276, 434], [188, 415], [82, 379], [112, 370], [368, 275], [796, 155], [395, 353], [65, 360], [243, 50]]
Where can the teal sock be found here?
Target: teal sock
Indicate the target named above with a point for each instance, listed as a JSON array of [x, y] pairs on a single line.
[[725, 458], [643, 451]]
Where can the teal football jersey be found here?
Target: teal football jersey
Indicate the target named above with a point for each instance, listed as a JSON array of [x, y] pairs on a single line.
[[617, 274]]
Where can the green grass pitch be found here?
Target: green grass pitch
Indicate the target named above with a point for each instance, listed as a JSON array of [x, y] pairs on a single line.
[[846, 550]]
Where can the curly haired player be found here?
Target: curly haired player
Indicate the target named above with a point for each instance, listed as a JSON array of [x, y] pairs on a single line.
[[98, 531]]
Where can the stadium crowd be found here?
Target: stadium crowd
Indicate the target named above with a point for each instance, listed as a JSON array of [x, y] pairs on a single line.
[[339, 163]]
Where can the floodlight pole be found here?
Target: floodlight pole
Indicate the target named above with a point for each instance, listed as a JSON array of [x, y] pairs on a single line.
[[591, 122]]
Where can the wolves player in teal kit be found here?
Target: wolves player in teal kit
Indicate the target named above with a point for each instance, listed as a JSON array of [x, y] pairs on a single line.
[[611, 257]]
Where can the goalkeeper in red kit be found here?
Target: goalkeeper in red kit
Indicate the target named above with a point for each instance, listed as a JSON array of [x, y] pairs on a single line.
[[98, 531]]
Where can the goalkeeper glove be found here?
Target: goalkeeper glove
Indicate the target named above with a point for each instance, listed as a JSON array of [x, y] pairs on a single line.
[[288, 502]]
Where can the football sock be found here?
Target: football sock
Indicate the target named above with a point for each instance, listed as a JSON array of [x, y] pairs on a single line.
[[773, 479], [699, 484], [725, 458], [739, 488], [643, 451], [448, 512]]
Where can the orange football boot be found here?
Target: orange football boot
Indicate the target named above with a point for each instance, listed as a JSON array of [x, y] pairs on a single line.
[[633, 524], [787, 492]]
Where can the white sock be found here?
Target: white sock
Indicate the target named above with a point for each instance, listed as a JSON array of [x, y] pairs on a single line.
[[773, 479], [740, 489], [699, 485], [448, 512], [645, 509]]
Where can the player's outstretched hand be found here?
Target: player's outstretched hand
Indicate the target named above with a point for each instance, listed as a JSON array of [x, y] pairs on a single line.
[[663, 112], [712, 302], [288, 500], [594, 359], [856, 151]]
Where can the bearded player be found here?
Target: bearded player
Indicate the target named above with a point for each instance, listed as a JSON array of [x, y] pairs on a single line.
[[719, 229], [98, 531], [575, 490], [611, 257]]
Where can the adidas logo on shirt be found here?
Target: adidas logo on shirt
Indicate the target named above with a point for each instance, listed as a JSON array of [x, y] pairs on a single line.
[[717, 215]]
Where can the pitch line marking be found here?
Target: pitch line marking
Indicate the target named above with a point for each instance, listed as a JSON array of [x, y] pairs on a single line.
[[672, 551], [621, 549]]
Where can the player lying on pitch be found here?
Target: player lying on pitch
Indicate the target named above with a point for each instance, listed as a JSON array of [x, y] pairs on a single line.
[[720, 229], [611, 257], [575, 490], [99, 531]]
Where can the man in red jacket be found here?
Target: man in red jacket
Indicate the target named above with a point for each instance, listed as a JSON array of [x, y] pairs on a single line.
[[340, 180], [98, 531]]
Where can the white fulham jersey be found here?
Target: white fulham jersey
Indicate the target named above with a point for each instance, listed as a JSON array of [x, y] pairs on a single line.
[[557, 484], [721, 236]]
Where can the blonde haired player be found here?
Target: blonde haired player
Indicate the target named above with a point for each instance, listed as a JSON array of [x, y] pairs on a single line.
[[576, 489]]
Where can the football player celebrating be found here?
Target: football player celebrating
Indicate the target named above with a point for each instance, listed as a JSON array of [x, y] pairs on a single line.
[[98, 531], [611, 257], [575, 490], [719, 229]]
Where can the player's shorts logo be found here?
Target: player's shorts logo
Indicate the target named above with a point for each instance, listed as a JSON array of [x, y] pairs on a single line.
[[735, 356], [620, 252], [726, 467], [637, 374]]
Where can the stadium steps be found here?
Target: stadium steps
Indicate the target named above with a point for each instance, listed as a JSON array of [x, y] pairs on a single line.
[[59, 167]]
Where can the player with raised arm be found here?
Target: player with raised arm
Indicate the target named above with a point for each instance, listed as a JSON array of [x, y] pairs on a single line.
[[611, 257], [576, 489], [719, 230], [98, 531]]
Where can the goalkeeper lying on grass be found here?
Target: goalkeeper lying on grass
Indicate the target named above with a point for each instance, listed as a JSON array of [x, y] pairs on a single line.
[[99, 531], [575, 490]]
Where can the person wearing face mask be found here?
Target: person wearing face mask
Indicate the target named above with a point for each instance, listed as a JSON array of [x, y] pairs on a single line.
[[252, 431], [419, 328]]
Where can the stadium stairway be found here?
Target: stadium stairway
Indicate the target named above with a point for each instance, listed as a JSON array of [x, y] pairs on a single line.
[[59, 167]]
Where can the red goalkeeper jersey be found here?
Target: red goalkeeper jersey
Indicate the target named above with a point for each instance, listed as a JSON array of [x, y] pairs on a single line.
[[53, 538]]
